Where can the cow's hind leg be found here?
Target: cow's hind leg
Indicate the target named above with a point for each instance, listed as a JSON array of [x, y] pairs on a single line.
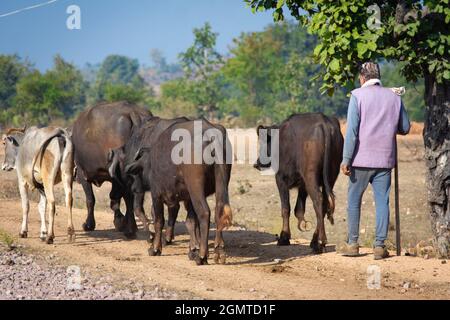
[[156, 248], [89, 224], [300, 206], [138, 205], [130, 227], [170, 231], [219, 244], [203, 214], [67, 180], [23, 188], [319, 240], [48, 187], [42, 207], [193, 229], [115, 195], [283, 189]]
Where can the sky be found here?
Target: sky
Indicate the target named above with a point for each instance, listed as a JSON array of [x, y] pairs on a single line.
[[127, 27]]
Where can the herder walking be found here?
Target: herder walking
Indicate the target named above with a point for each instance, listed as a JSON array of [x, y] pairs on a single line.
[[375, 116]]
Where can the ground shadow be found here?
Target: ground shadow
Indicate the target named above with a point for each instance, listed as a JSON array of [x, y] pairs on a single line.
[[251, 247]]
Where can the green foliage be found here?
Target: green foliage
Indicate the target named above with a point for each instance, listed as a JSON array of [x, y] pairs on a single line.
[[12, 69], [118, 71], [413, 99], [200, 63], [265, 78], [123, 92], [252, 68], [269, 73], [41, 98], [175, 107], [347, 34]]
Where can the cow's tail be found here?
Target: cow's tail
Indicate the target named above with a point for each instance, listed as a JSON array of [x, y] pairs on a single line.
[[326, 164], [68, 151], [222, 171]]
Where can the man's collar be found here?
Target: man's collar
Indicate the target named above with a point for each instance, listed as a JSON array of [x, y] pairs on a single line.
[[371, 82]]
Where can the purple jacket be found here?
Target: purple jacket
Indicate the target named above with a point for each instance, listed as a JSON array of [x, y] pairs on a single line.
[[379, 114]]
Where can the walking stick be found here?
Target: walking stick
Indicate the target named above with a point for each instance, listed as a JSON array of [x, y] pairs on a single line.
[[397, 204], [398, 91]]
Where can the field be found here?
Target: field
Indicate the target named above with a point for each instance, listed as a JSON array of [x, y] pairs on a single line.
[[256, 267]]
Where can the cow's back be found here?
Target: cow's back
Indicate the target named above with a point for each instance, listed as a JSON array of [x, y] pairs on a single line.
[[165, 174], [302, 140], [100, 129], [32, 142]]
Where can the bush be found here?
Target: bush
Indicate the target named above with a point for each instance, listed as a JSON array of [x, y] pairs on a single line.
[[172, 108]]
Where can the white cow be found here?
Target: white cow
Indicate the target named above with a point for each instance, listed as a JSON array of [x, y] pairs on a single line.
[[42, 158]]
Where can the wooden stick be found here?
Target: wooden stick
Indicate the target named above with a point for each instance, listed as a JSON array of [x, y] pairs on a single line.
[[397, 205]]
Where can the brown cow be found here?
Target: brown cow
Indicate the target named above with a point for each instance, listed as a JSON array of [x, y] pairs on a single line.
[[310, 153], [96, 132]]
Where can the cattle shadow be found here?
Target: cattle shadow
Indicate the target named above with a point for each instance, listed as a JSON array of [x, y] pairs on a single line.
[[247, 246], [261, 248], [254, 247]]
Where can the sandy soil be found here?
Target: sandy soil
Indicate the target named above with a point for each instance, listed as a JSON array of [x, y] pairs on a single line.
[[256, 268]]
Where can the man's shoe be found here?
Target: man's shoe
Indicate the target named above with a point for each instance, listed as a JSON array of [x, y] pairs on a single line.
[[349, 250], [380, 253]]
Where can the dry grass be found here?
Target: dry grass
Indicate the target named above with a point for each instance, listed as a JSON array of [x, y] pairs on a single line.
[[7, 239]]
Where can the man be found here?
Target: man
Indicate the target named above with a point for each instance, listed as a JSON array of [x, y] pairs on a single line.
[[375, 115]]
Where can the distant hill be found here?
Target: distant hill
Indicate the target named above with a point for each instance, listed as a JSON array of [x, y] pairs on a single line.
[[154, 77]]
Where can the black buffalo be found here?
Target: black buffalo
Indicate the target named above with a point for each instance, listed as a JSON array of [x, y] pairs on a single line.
[[310, 154], [190, 181], [96, 131], [142, 137]]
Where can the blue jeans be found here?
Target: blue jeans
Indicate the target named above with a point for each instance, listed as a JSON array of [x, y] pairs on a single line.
[[381, 185]]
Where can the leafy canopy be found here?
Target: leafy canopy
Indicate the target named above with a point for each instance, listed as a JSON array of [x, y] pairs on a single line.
[[415, 32], [200, 63]]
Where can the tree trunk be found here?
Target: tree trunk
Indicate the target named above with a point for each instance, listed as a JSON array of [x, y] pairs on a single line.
[[436, 136]]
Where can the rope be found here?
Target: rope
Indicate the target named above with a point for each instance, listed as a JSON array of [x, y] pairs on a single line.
[[27, 8]]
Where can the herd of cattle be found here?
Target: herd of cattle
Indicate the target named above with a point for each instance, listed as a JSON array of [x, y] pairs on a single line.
[[129, 147]]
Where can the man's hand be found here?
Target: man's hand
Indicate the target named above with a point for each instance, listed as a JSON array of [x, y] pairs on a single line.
[[345, 168]]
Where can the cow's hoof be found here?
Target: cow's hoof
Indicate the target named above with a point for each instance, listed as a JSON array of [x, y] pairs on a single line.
[[153, 253], [23, 234], [283, 240], [201, 261], [193, 254], [316, 248], [89, 226], [71, 238], [304, 225], [219, 256], [49, 240], [43, 235]]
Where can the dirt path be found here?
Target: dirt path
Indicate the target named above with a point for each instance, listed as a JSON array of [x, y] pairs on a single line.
[[250, 272]]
